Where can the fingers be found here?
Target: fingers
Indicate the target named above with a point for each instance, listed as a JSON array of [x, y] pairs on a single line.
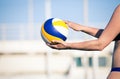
[[57, 44], [66, 21], [52, 46], [70, 24], [73, 25]]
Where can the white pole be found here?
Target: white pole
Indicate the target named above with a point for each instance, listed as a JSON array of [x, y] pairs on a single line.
[[85, 64], [47, 9], [85, 13], [49, 51], [95, 59], [31, 18], [95, 64]]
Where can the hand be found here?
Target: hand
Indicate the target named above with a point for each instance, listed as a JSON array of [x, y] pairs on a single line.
[[74, 26], [56, 44]]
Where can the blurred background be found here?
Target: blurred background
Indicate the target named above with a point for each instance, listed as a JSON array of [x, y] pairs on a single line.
[[23, 53]]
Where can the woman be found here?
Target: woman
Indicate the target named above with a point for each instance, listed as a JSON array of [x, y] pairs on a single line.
[[105, 37]]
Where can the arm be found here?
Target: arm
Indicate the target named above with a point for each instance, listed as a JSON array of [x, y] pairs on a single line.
[[100, 32], [89, 30], [86, 29], [110, 32]]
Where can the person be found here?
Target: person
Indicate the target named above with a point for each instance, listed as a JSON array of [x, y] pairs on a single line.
[[105, 37]]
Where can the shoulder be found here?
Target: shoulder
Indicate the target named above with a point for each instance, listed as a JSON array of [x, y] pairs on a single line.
[[118, 7]]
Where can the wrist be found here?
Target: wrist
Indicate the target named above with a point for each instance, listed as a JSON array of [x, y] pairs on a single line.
[[82, 28], [69, 46]]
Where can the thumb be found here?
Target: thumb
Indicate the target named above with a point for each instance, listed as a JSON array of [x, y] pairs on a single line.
[[66, 21], [56, 41]]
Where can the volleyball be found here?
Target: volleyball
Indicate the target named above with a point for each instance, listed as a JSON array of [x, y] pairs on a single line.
[[54, 29]]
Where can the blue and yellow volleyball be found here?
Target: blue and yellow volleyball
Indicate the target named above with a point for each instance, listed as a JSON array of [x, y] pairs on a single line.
[[54, 29]]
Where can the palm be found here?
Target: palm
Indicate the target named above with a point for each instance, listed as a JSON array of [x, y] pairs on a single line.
[[73, 25]]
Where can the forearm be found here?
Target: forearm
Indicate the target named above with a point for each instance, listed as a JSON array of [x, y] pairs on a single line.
[[90, 30], [77, 27], [93, 45], [96, 32]]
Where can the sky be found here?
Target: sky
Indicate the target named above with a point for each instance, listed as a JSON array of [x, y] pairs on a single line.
[[14, 15]]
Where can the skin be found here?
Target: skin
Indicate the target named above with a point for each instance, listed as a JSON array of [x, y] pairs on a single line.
[[116, 61], [110, 32]]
